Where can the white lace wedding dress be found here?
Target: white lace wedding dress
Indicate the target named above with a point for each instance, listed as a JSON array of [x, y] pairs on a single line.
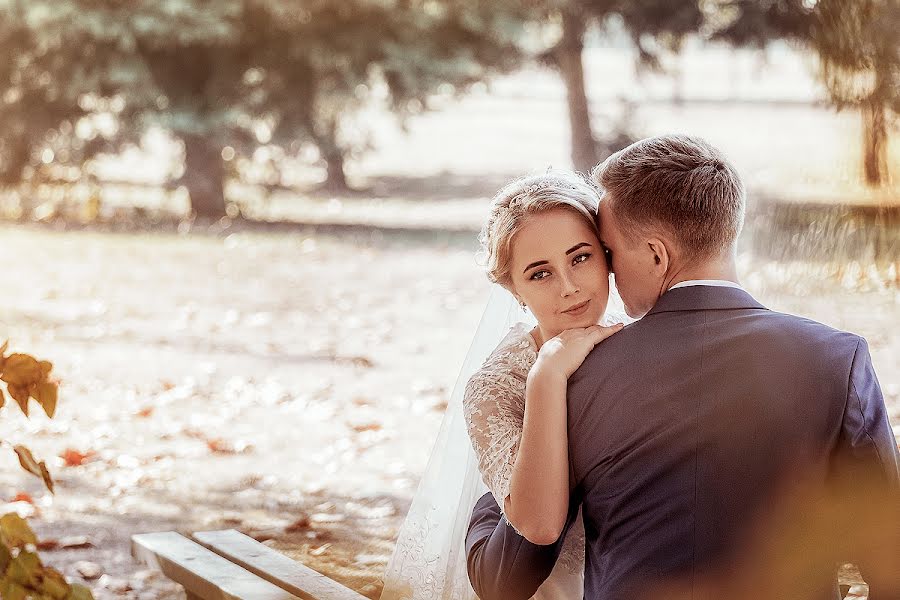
[[429, 560], [494, 410]]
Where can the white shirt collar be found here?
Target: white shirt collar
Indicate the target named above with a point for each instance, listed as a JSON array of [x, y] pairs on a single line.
[[709, 282]]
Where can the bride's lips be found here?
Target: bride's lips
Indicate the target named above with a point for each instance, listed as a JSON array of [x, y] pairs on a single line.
[[578, 309]]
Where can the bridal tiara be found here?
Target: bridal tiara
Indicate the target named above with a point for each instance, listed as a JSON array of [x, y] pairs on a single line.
[[541, 185]]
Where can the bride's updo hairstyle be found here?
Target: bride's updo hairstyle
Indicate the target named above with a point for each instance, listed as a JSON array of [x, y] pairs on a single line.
[[518, 201]]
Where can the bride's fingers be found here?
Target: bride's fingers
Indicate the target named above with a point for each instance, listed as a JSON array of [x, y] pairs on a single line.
[[600, 333]]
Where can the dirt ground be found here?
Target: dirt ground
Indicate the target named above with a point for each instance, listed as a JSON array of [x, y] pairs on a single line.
[[287, 385]]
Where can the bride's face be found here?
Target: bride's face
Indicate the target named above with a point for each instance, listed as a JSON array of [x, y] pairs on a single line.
[[559, 270]]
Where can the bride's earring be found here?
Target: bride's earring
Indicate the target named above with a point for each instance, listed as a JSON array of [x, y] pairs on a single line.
[[524, 308]]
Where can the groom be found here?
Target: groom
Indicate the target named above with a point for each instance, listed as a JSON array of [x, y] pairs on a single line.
[[682, 425]]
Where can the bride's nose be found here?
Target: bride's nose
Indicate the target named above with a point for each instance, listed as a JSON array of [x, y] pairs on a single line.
[[569, 286]]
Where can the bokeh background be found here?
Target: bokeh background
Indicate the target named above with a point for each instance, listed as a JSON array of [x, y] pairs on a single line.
[[244, 231]]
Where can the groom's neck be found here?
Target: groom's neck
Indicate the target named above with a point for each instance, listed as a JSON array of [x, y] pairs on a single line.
[[723, 268]]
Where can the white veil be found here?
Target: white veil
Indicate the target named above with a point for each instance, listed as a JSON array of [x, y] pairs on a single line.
[[429, 560]]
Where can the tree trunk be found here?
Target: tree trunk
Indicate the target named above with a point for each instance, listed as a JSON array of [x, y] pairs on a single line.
[[875, 164], [13, 164], [334, 160], [333, 155], [204, 177], [569, 60]]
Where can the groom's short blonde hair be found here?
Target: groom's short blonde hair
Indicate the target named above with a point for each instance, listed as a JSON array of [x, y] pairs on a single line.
[[681, 183]]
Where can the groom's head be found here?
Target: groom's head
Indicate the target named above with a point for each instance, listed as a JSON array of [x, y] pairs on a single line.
[[672, 208]]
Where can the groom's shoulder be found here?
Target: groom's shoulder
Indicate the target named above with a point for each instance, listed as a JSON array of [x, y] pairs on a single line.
[[761, 324], [787, 324]]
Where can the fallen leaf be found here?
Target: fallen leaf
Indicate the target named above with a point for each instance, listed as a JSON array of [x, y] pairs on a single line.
[[23, 497], [88, 570], [116, 584], [223, 446], [301, 524], [219, 446], [362, 361], [264, 535], [74, 458], [366, 427], [48, 544], [75, 541], [144, 412]]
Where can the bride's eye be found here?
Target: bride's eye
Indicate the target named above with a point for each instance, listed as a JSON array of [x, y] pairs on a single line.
[[581, 258], [538, 275]]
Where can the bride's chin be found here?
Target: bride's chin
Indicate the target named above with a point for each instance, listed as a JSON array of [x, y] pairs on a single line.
[[588, 320]]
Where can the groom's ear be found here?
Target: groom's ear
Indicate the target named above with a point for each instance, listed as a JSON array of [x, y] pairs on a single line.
[[660, 254]]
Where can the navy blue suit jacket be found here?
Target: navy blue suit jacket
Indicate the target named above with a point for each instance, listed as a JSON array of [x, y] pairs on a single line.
[[680, 427]]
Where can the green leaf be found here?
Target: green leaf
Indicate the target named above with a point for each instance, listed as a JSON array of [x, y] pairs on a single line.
[[5, 558], [79, 592], [26, 570], [10, 590], [53, 584], [15, 532]]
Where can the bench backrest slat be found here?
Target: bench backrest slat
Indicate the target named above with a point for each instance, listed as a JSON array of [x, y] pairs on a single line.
[[201, 572], [275, 567]]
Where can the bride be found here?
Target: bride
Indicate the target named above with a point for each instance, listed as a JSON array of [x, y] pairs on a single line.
[[542, 249]]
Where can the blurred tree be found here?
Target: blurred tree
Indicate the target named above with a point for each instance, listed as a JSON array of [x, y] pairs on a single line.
[[856, 44], [859, 56], [755, 23], [653, 25], [43, 90], [239, 73]]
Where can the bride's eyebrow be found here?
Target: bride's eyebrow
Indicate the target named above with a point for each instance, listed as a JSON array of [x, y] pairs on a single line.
[[536, 264], [544, 262], [576, 247]]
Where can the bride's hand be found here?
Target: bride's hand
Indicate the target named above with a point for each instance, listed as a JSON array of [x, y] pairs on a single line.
[[563, 354]]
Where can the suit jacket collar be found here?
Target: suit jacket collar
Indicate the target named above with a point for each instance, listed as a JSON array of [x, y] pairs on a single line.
[[704, 297]]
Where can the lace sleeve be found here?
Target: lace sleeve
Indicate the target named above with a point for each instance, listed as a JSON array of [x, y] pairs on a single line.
[[495, 428]]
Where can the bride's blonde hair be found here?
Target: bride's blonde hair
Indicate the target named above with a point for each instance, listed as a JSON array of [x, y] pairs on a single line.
[[517, 201]]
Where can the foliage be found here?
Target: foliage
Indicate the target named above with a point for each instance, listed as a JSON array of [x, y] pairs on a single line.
[[755, 23], [22, 575], [241, 73], [859, 58]]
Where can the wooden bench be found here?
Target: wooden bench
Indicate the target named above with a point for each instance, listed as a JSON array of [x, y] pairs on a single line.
[[227, 564]]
